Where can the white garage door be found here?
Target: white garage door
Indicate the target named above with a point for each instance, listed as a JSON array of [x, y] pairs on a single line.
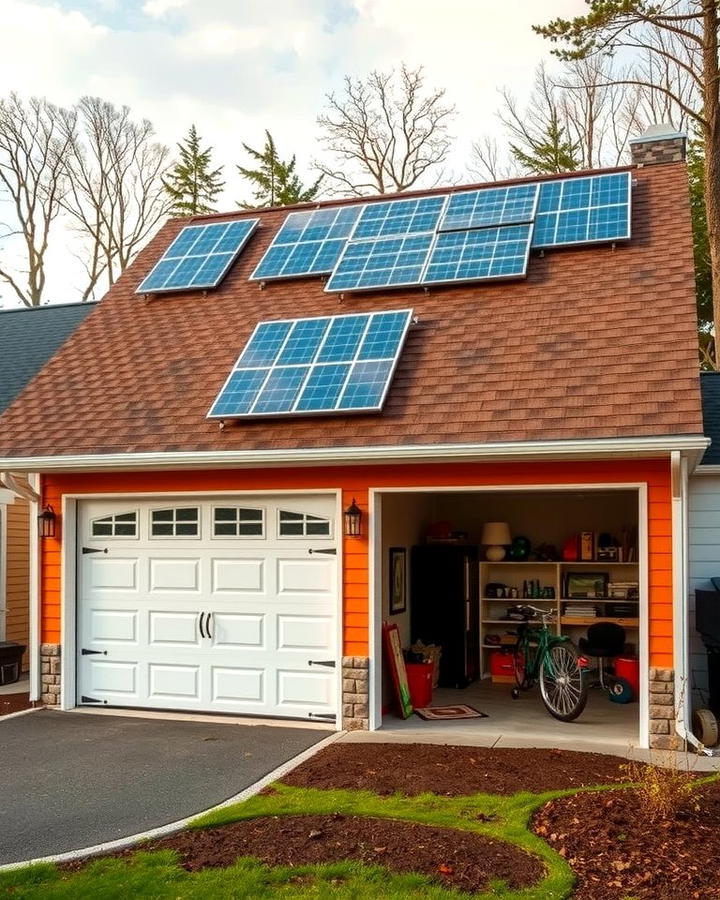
[[226, 605]]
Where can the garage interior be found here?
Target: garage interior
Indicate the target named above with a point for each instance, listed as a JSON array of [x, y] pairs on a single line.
[[423, 523]]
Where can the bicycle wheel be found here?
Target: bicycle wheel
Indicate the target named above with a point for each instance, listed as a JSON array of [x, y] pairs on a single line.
[[523, 659], [562, 686]]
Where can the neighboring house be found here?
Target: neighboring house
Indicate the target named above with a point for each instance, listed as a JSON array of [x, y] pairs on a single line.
[[548, 379], [704, 527], [28, 338]]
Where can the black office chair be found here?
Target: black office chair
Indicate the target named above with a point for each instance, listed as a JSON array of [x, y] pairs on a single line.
[[606, 640]]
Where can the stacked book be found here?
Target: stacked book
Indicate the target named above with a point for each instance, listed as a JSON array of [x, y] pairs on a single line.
[[621, 590], [580, 611]]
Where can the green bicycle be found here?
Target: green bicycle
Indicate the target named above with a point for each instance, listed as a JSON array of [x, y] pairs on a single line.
[[542, 656]]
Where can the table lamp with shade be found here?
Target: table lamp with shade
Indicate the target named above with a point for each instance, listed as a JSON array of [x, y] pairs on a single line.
[[496, 535]]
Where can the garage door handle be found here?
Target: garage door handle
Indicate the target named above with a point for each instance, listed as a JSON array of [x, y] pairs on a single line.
[[202, 632], [207, 625]]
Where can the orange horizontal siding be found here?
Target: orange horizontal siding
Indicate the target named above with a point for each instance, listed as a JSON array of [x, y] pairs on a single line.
[[355, 482]]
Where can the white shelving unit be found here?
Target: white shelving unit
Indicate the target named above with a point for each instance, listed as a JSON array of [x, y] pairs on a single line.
[[549, 575]]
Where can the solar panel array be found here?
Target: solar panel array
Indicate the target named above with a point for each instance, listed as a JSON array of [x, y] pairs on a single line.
[[479, 255], [321, 365], [199, 257], [490, 206], [583, 210]]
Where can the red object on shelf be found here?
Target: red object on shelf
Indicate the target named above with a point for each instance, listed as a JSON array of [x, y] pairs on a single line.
[[419, 676], [628, 667], [502, 668]]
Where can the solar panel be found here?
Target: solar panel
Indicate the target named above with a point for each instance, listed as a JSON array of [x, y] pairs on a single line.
[[479, 254], [399, 217], [322, 365], [308, 243], [583, 210], [490, 206], [199, 257], [384, 262]]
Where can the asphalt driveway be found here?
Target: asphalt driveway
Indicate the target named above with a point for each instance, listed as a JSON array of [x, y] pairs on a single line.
[[71, 780]]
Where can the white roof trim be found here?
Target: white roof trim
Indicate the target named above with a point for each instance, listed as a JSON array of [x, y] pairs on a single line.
[[572, 449]]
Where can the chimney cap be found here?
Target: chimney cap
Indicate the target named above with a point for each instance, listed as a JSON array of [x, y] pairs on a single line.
[[662, 131]]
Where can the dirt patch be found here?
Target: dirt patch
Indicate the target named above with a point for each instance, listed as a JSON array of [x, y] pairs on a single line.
[[10, 703], [413, 769], [618, 852], [456, 859]]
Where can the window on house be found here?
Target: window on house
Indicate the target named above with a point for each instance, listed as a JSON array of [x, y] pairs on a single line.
[[117, 525], [180, 521], [238, 521]]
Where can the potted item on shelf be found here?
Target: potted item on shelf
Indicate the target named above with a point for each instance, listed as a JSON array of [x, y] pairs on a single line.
[[546, 553]]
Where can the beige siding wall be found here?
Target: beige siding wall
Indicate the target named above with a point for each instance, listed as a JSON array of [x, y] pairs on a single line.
[[18, 581]]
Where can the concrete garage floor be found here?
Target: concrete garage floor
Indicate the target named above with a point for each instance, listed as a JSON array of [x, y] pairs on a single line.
[[603, 725], [72, 780]]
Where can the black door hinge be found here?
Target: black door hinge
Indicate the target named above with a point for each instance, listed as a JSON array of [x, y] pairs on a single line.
[[331, 551], [85, 699], [326, 717], [85, 652], [93, 550], [330, 663]]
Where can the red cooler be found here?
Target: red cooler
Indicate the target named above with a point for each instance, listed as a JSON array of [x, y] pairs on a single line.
[[628, 667], [420, 677]]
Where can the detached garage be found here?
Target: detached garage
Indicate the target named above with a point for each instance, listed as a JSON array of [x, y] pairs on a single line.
[[215, 604]]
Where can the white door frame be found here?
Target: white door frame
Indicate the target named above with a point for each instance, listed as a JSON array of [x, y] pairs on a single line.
[[3, 569], [69, 560], [376, 587]]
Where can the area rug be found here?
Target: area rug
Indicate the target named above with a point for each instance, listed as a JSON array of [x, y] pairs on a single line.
[[434, 713]]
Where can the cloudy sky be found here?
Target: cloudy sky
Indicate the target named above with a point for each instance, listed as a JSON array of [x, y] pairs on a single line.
[[236, 67]]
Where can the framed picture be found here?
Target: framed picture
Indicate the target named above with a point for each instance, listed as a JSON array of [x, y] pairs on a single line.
[[586, 584], [398, 581]]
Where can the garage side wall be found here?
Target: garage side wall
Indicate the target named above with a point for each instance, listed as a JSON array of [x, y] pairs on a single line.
[[704, 564], [17, 586]]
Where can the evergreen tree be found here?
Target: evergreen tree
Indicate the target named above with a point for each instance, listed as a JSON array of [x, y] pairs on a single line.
[[193, 187], [275, 181], [549, 152]]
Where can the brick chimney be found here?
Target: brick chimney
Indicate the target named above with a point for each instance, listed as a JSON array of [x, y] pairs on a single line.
[[659, 144]]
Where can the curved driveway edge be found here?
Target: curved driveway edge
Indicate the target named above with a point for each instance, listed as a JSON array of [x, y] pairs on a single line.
[[75, 784]]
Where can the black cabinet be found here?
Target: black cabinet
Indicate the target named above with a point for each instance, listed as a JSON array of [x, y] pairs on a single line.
[[445, 609]]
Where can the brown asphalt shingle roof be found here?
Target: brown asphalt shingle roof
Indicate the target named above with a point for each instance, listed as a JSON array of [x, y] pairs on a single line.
[[596, 342]]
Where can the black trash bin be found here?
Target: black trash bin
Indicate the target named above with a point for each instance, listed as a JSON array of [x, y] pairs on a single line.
[[707, 622], [11, 654]]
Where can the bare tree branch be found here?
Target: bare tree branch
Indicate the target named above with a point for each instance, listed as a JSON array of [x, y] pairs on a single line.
[[386, 132]]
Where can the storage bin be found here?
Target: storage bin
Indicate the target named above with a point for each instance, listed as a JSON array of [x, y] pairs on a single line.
[[419, 676], [502, 670], [11, 654], [628, 667]]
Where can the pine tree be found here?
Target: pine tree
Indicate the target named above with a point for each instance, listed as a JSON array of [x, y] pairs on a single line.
[[191, 184], [276, 181], [548, 153]]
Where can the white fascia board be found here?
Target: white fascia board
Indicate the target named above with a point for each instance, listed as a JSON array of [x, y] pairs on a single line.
[[652, 446], [713, 469]]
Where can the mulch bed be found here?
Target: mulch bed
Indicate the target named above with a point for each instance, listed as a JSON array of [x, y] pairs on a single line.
[[413, 769], [617, 851], [10, 703], [455, 859]]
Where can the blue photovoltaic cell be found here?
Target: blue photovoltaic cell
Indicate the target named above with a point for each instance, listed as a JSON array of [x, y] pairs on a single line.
[[399, 217], [327, 364], [581, 210], [480, 254], [199, 256], [384, 262], [308, 243], [490, 206]]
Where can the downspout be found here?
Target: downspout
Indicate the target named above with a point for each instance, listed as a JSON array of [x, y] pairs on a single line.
[[34, 598], [681, 587]]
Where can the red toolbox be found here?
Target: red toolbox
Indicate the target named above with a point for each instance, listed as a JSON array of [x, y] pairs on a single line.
[[502, 669]]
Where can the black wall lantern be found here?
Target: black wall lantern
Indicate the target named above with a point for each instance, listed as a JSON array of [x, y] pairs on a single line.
[[46, 522], [353, 519]]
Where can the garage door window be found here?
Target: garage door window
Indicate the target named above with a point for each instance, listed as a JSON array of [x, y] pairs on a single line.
[[238, 521], [181, 521], [294, 524], [119, 525]]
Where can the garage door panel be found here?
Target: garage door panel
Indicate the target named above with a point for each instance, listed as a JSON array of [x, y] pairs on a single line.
[[239, 576], [235, 630], [174, 627], [305, 632], [305, 576], [300, 688], [113, 626], [236, 684], [223, 625], [174, 682], [174, 575], [114, 677], [107, 573]]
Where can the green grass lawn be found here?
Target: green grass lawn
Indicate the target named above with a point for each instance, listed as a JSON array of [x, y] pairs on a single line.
[[157, 874]]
